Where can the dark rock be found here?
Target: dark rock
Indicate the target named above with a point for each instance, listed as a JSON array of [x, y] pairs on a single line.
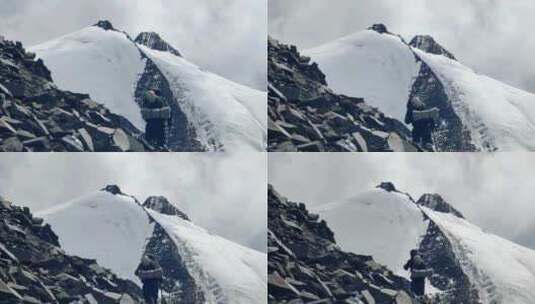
[[153, 41], [428, 44], [11, 144], [379, 28], [163, 206], [113, 189], [448, 275], [437, 203], [388, 186], [105, 25]]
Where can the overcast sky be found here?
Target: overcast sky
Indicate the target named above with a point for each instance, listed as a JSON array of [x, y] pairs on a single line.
[[494, 37], [226, 37], [223, 193], [493, 191]]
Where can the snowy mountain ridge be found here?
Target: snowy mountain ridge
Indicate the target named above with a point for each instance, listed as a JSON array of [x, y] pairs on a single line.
[[469, 264], [477, 113], [117, 230], [208, 111]]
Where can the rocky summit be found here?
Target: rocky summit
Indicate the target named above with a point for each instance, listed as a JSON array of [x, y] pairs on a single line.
[[34, 268], [306, 266], [153, 41], [428, 44], [305, 115], [36, 116]]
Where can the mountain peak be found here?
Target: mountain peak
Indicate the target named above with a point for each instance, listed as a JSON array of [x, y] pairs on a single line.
[[435, 202], [428, 44], [113, 189], [105, 25], [163, 206], [387, 186], [154, 41], [379, 28]]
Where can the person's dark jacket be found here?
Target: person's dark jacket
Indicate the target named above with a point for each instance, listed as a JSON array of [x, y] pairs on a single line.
[[408, 114], [152, 101], [150, 275], [417, 267]]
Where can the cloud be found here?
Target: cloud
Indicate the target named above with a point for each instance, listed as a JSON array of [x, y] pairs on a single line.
[[491, 36], [225, 37], [494, 191], [224, 193]]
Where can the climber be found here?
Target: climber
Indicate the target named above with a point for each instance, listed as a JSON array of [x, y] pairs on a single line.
[[157, 114], [419, 272], [423, 121], [150, 273]]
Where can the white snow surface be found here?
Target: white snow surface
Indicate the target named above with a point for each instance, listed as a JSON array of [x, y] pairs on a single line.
[[230, 273], [104, 64], [385, 225], [498, 116], [503, 272], [113, 229], [378, 67], [224, 113]]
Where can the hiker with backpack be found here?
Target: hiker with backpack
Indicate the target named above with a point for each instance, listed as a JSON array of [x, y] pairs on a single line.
[[424, 121], [419, 272], [157, 115], [150, 273]]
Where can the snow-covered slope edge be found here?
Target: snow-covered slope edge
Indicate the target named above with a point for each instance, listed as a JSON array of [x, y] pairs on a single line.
[[224, 114], [498, 116], [500, 270], [208, 111], [227, 272], [116, 230]]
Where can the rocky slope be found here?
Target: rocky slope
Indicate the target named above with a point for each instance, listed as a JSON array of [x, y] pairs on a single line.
[[37, 116], [35, 269], [305, 115], [469, 264], [306, 266]]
